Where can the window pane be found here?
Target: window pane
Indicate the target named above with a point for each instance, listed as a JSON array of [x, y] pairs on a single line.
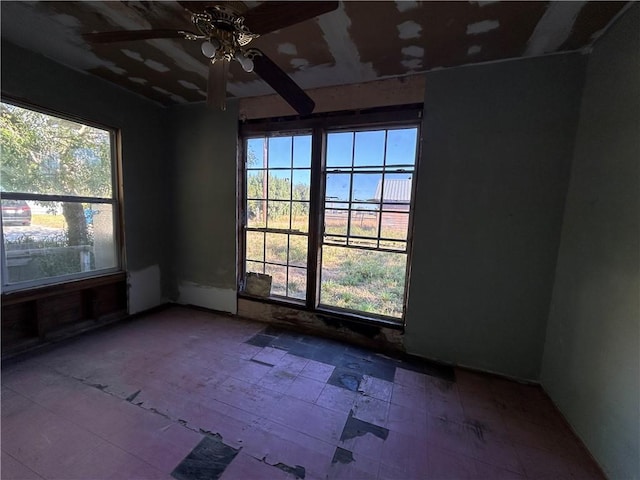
[[401, 146], [255, 246], [397, 191], [335, 222], [278, 280], [280, 184], [298, 250], [366, 187], [279, 154], [394, 225], [301, 184], [361, 280], [255, 152], [276, 248], [50, 239], [339, 149], [256, 184], [369, 149], [338, 185], [297, 283], [43, 154], [364, 223], [300, 216], [302, 151], [279, 214], [255, 267], [255, 213]]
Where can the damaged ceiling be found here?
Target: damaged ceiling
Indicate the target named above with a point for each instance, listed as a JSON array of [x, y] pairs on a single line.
[[360, 41]]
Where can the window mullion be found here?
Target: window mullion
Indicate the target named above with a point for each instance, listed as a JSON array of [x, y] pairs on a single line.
[[316, 210]]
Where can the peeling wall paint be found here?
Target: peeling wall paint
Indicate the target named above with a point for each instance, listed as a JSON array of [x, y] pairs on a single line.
[[219, 299], [145, 289]]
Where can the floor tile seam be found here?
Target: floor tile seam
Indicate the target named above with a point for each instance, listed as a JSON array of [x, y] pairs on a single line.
[[65, 417], [126, 453], [22, 464], [332, 442], [102, 437], [316, 439]]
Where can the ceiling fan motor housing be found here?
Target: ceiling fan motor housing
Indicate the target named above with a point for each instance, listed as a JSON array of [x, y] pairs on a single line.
[[223, 25]]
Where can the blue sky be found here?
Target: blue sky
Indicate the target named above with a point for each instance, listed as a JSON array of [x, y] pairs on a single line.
[[365, 148]]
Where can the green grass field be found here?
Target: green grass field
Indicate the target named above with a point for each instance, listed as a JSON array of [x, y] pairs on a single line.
[[361, 280]]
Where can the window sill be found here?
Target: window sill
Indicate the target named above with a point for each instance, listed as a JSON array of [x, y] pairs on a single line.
[[50, 289], [336, 314]]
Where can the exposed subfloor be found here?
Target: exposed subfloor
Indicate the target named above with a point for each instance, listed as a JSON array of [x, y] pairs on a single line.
[[188, 394]]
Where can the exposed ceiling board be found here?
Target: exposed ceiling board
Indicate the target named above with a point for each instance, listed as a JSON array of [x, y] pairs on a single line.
[[358, 42]]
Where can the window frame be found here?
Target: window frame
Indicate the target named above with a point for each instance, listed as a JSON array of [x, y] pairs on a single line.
[[320, 125], [115, 201]]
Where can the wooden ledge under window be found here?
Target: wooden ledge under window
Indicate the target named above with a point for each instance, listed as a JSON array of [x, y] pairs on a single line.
[[35, 293]]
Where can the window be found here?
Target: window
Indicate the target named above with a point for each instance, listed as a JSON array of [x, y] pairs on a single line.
[[59, 209], [278, 178], [327, 213]]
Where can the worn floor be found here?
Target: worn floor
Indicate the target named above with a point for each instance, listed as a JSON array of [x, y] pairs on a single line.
[[187, 394]]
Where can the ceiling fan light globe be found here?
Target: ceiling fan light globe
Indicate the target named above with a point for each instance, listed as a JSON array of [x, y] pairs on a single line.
[[247, 63], [208, 49]]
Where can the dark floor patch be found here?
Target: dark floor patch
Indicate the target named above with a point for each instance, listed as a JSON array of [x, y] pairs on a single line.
[[206, 461], [434, 369], [357, 428], [285, 341], [260, 340], [357, 361], [344, 378], [273, 331], [370, 364], [342, 456], [298, 470]]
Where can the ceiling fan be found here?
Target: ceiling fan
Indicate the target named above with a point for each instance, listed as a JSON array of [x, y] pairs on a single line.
[[225, 29]]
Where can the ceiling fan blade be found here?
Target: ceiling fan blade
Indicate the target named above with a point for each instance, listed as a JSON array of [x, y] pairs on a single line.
[[130, 35], [270, 16], [195, 7], [282, 84]]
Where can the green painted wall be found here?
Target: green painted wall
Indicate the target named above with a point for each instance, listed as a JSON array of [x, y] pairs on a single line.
[[144, 151], [591, 364], [496, 154], [203, 216]]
